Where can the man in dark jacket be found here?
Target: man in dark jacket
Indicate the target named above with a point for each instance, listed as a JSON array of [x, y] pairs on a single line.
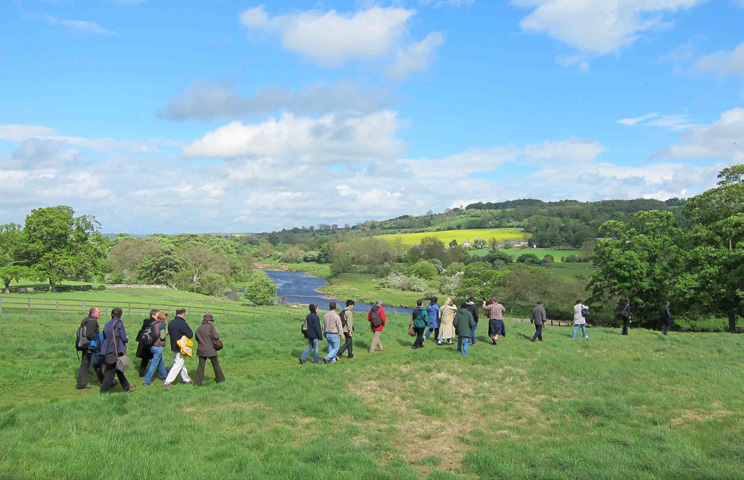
[[666, 319], [473, 309], [538, 318], [90, 323], [178, 328], [143, 350], [313, 334], [625, 313], [464, 326]]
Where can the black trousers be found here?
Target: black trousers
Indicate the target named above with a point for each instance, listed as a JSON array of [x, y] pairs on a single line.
[[143, 366], [109, 371], [82, 374], [199, 375], [538, 333], [347, 346], [665, 327], [419, 337], [626, 324]]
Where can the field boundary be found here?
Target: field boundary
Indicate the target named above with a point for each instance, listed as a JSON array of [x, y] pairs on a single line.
[[70, 305]]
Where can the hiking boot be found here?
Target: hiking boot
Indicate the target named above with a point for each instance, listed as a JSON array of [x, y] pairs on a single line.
[[326, 361], [302, 362], [85, 387], [350, 357]]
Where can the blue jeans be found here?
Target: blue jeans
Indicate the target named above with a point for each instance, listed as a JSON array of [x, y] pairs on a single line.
[[576, 329], [333, 344], [462, 345], [156, 362], [312, 346], [472, 335]]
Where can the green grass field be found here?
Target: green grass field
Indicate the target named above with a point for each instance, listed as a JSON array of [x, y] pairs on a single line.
[[540, 252], [363, 288], [447, 236], [610, 407]]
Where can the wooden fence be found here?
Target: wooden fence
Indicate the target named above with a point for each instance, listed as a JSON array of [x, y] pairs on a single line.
[[69, 305]]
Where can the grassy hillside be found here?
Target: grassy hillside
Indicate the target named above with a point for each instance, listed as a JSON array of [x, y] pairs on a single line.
[[610, 407], [447, 236], [540, 252]]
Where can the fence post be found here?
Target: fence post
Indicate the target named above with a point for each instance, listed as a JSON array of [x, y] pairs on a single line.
[[83, 303], [129, 307], [56, 306], [1, 304], [29, 304], [106, 311]]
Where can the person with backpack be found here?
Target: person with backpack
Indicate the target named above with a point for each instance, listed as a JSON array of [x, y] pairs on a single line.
[[347, 320], [447, 329], [178, 328], [156, 336], [87, 342], [143, 348], [114, 346], [579, 320], [419, 321], [625, 313], [666, 319], [473, 309], [376, 319], [313, 333], [464, 325], [332, 328], [432, 310], [206, 335]]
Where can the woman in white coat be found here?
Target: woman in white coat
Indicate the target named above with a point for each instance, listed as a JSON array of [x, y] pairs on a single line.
[[579, 319], [447, 316]]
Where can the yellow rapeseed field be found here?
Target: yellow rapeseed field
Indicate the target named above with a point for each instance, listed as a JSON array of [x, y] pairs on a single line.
[[446, 237]]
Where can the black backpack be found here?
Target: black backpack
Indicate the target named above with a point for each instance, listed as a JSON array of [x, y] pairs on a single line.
[[82, 342], [147, 335], [344, 323]]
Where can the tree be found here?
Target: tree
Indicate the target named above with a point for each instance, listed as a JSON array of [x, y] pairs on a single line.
[[714, 264], [640, 260], [8, 273], [479, 281], [127, 255], [60, 246], [161, 268], [423, 269], [201, 261], [260, 289]]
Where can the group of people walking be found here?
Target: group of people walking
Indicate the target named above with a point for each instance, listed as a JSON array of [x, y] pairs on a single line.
[[106, 350]]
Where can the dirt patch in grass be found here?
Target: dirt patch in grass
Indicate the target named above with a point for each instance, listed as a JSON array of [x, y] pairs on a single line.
[[690, 416]]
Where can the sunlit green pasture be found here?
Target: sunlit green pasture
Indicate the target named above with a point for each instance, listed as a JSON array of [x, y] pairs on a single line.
[[500, 234]]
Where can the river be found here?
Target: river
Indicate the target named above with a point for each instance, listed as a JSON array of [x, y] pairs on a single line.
[[301, 288]]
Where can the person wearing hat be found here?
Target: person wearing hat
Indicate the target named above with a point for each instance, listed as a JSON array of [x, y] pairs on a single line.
[[206, 334]]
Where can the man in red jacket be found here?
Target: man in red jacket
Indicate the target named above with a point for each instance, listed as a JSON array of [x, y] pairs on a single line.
[[376, 318]]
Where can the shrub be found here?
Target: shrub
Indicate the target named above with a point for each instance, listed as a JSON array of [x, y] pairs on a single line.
[[260, 289], [422, 269]]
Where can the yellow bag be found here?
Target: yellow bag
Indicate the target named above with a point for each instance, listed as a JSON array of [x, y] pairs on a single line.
[[185, 345]]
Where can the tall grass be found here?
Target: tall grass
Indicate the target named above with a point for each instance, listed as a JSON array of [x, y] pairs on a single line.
[[610, 407]]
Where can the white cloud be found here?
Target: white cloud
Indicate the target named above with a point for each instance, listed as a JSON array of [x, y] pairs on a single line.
[[331, 38], [598, 27], [722, 139], [723, 63], [82, 25], [633, 121], [328, 139], [415, 57], [207, 100], [17, 133]]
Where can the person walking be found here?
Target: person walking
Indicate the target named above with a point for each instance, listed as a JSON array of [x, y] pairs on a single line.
[[92, 333], [579, 320], [666, 319], [447, 328], [473, 309], [538, 318], [432, 310], [333, 329], [625, 313], [143, 349], [376, 319], [313, 333], [495, 319], [347, 320], [157, 363], [114, 346], [419, 321], [178, 328], [206, 335], [464, 325]]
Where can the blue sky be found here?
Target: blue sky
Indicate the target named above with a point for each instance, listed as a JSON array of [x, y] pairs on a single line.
[[244, 117]]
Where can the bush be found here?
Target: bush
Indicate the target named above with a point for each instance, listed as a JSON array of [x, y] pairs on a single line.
[[212, 284], [422, 269], [402, 282], [528, 259], [260, 289]]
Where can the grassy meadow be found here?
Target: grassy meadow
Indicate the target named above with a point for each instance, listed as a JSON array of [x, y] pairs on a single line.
[[609, 407], [540, 252], [364, 288], [447, 236]]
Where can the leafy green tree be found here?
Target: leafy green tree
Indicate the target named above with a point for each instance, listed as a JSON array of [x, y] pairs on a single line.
[[60, 246], [161, 268], [260, 289], [201, 261], [422, 269], [639, 260], [8, 273], [212, 284], [480, 281], [11, 241], [713, 277], [528, 259], [127, 254]]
